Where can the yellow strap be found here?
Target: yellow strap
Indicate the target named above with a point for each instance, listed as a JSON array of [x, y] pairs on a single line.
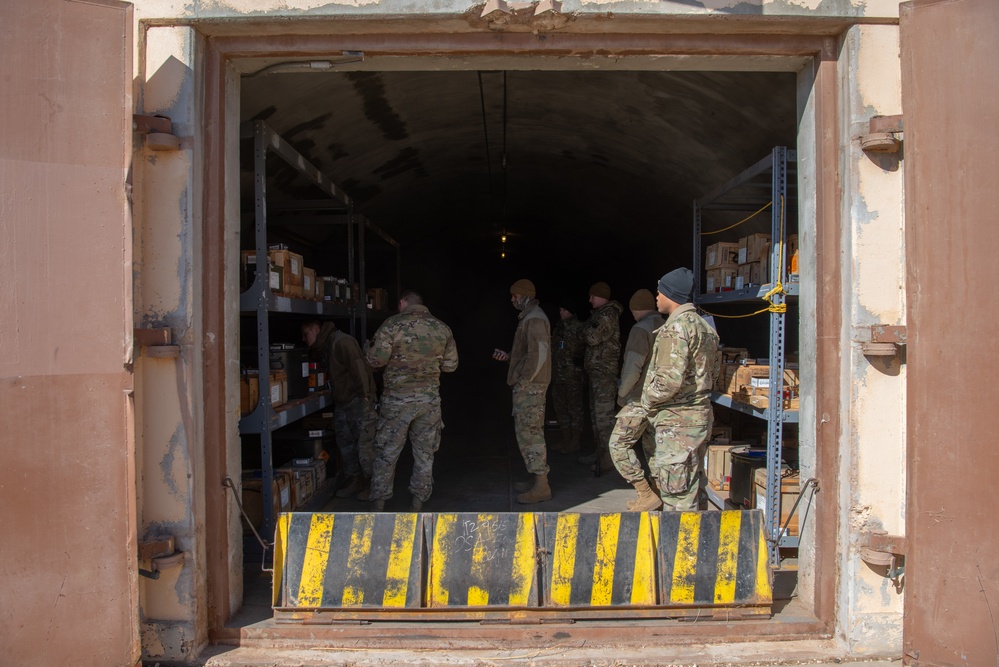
[[778, 287], [746, 219]]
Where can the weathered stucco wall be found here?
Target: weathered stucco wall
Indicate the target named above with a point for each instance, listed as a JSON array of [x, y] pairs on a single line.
[[872, 493], [169, 399]]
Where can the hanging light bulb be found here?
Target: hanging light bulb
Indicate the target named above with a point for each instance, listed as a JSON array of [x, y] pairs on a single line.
[[503, 254], [503, 238]]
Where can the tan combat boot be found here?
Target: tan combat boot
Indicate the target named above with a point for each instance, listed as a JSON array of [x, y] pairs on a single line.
[[537, 493], [647, 499]]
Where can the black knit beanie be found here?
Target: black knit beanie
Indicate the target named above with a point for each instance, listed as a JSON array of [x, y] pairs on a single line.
[[677, 285]]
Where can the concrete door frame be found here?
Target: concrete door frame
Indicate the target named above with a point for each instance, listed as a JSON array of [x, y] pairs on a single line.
[[819, 49]]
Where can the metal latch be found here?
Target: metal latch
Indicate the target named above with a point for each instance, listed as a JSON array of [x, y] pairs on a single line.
[[879, 548], [886, 341], [158, 131], [882, 134], [162, 554]]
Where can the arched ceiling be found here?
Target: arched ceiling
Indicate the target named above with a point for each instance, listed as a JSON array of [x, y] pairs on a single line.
[[588, 165]]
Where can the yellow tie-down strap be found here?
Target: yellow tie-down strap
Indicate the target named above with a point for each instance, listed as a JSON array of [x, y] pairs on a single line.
[[656, 564]]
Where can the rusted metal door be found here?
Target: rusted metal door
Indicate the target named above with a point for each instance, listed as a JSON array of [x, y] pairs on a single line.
[[67, 487], [950, 96]]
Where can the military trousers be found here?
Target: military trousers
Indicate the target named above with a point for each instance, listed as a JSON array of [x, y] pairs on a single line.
[[529, 425], [354, 424], [678, 464], [567, 395], [421, 422], [603, 405], [632, 425]]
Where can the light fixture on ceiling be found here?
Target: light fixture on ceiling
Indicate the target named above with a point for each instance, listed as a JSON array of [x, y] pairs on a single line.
[[347, 58]]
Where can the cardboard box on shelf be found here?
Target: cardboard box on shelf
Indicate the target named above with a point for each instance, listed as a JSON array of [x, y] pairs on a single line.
[[731, 355], [790, 489], [249, 392], [292, 270], [721, 255], [718, 465], [276, 279], [720, 435], [308, 283], [253, 501], [379, 298], [743, 279], [756, 276], [717, 280], [750, 247], [302, 486], [279, 388]]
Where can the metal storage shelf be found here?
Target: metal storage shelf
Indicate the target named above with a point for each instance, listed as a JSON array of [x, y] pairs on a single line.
[[789, 416], [265, 418], [751, 294], [761, 186], [335, 209]]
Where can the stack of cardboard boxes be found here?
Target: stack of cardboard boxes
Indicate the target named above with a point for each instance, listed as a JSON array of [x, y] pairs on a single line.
[[747, 380], [294, 485], [735, 266]]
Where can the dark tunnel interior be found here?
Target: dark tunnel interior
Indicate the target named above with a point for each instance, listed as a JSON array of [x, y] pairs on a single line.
[[590, 175]]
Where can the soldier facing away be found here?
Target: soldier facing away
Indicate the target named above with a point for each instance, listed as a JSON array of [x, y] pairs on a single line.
[[632, 421], [602, 334], [676, 394], [414, 347], [568, 377], [529, 375]]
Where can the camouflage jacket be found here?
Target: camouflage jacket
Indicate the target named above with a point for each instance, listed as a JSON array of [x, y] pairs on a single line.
[[568, 347], [685, 362], [602, 334], [637, 354], [531, 355], [414, 347], [342, 358]]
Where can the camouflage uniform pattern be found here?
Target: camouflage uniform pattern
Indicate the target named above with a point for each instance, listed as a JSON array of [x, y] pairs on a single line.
[[602, 334], [529, 376], [569, 379], [414, 347], [528, 423], [354, 424], [632, 422], [676, 394]]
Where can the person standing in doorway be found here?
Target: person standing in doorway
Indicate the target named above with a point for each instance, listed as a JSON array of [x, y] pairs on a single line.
[[602, 334], [568, 377], [632, 421], [676, 395], [414, 348], [529, 374], [354, 416]]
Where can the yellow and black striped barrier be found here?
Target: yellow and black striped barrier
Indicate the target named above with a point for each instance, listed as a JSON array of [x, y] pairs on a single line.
[[713, 559], [600, 560], [324, 561], [628, 564], [482, 560]]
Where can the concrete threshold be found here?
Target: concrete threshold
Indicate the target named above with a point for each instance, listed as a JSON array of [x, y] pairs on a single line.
[[826, 653]]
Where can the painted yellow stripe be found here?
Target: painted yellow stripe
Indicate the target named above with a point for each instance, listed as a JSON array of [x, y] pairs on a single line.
[[400, 559], [564, 559], [360, 547], [478, 595], [317, 553], [685, 563], [728, 556], [763, 589], [603, 566], [438, 559], [643, 590], [280, 553], [523, 561]]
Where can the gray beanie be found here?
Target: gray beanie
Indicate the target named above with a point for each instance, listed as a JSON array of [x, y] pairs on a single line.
[[677, 285]]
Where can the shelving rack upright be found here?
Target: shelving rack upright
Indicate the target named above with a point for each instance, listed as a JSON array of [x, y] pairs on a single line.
[[764, 183]]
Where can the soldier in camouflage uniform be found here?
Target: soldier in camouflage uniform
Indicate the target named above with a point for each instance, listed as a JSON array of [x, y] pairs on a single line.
[[602, 334], [568, 377], [414, 347], [685, 363], [632, 421], [529, 375]]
